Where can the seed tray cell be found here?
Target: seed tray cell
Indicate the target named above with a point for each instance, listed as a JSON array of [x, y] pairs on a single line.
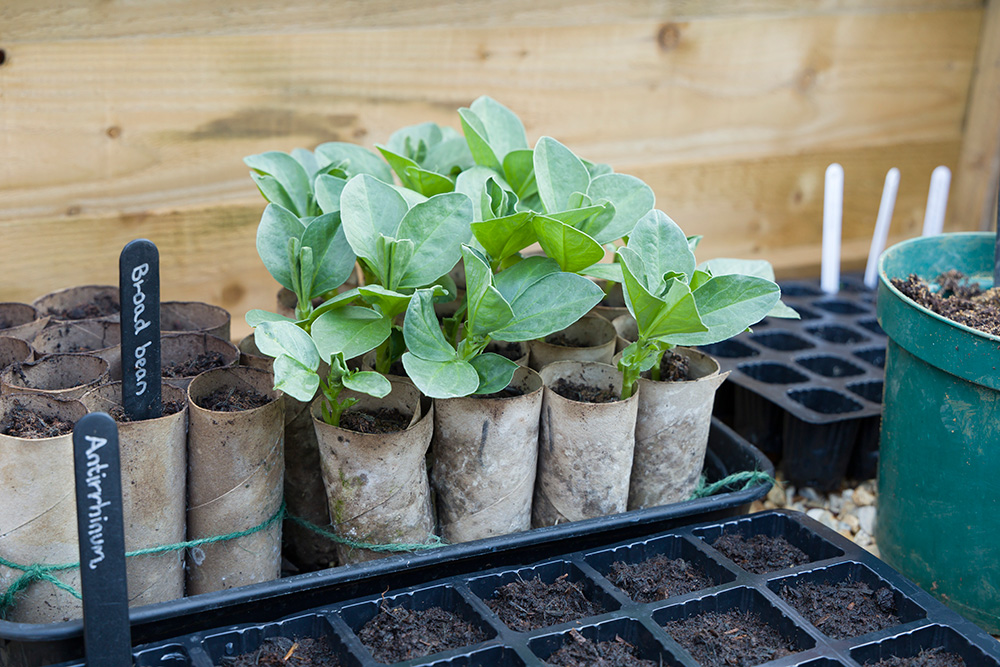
[[813, 383], [924, 623]]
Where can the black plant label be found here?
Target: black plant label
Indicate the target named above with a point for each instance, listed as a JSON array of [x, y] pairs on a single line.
[[139, 289], [96, 460]]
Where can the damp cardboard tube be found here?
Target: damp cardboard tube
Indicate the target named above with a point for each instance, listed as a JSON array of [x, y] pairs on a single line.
[[14, 351], [485, 451], [251, 356], [100, 338], [594, 337], [234, 482], [194, 316], [671, 433], [376, 483], [83, 302], [19, 320], [67, 376], [153, 454], [180, 349], [38, 509], [584, 449]]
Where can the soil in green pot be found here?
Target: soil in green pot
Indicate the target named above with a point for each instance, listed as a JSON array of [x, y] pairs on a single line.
[[930, 657], [21, 422], [956, 299], [532, 604], [760, 553], [284, 652], [585, 393], [845, 609], [398, 633], [729, 639], [578, 651], [382, 420], [657, 578]]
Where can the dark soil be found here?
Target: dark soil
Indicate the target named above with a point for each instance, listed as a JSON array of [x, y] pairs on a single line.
[[657, 578], [382, 420], [846, 609], [578, 651], [511, 351], [930, 657], [21, 422], [760, 553], [506, 392], [562, 340], [231, 399], [674, 368], [729, 639], [117, 412], [398, 633], [191, 367], [957, 299], [284, 652], [585, 393], [102, 306], [532, 604]]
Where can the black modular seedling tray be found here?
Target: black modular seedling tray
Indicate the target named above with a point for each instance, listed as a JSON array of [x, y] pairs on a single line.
[[24, 645], [923, 622], [808, 392]]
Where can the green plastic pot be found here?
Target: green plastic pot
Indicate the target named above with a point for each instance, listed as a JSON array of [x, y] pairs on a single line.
[[939, 492]]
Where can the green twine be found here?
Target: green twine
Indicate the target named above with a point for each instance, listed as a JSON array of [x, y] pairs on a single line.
[[747, 477], [39, 572]]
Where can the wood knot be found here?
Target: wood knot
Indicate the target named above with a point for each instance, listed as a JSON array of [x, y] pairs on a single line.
[[806, 79], [668, 37], [114, 131], [3, 56]]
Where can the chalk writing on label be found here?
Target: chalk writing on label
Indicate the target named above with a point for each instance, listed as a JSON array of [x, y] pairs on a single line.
[[139, 324], [95, 512]]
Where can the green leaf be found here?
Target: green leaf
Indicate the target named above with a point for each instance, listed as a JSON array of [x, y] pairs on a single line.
[[549, 305], [679, 315], [519, 170], [513, 282], [427, 182], [350, 330], [609, 271], [487, 309], [472, 183], [256, 316], [504, 129], [399, 163], [783, 311], [423, 333], [559, 174], [632, 200], [289, 174], [654, 317], [495, 372], [357, 160], [441, 379], [728, 305], [279, 338], [478, 140], [411, 135], [277, 226], [272, 191], [333, 259], [724, 266], [503, 237], [449, 155], [390, 303], [392, 259], [328, 190], [306, 159], [693, 241], [438, 228], [295, 379], [369, 208], [367, 382], [663, 248], [334, 302], [570, 248], [576, 217]]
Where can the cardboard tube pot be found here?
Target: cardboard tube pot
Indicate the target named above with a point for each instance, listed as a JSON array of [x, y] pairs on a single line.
[[185, 355], [485, 452], [38, 509], [591, 338], [376, 483], [67, 376], [14, 351], [627, 330], [585, 449], [671, 432], [235, 471], [251, 356], [84, 302], [509, 350], [99, 338], [19, 320], [613, 303], [194, 316], [154, 468]]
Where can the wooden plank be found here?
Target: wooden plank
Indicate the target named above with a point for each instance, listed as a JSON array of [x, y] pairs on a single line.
[[128, 126], [59, 20], [974, 196], [208, 253]]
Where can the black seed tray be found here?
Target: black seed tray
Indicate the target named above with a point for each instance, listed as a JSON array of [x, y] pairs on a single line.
[[923, 622], [808, 392], [29, 645]]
